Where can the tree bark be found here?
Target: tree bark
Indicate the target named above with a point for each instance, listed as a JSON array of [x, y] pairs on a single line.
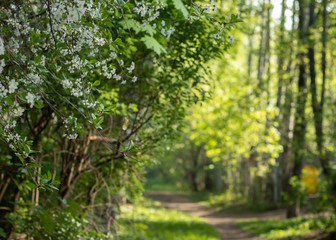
[[262, 48], [318, 105], [286, 113], [299, 117]]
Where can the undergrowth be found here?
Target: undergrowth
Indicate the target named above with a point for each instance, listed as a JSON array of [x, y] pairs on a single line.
[[291, 229]]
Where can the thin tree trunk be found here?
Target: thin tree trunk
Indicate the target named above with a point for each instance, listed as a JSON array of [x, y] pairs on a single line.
[[250, 45], [316, 104], [281, 54], [250, 55], [261, 61], [300, 118], [318, 115], [286, 114]]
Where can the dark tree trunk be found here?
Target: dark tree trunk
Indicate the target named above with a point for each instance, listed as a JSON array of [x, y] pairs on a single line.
[[286, 113], [299, 117], [281, 55], [318, 105], [208, 181], [323, 156], [193, 182]]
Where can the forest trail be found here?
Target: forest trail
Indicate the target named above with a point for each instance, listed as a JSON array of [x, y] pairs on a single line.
[[226, 223]]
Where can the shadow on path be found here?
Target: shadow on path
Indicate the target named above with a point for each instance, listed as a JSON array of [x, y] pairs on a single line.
[[226, 223]]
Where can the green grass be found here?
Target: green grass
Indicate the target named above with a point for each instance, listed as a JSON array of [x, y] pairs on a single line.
[[149, 222], [286, 229], [228, 202], [290, 229], [159, 183]]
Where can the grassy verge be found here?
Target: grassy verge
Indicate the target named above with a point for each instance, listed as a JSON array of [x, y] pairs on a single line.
[[149, 221], [286, 229], [229, 202], [290, 229]]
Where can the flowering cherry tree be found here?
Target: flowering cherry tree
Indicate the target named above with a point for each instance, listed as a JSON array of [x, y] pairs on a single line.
[[83, 83]]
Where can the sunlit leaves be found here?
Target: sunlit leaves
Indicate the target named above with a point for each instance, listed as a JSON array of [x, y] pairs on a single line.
[[180, 6], [153, 44]]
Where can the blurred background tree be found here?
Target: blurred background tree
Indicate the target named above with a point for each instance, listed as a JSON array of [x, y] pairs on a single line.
[[269, 115]]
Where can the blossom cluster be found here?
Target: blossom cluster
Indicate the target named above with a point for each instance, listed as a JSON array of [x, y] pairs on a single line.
[[51, 53], [149, 13], [55, 54], [207, 9], [212, 8]]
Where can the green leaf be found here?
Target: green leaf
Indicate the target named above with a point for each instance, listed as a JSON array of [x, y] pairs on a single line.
[[130, 145], [233, 26], [234, 19], [210, 17], [21, 158], [31, 185], [49, 176], [109, 34], [153, 44], [73, 25], [180, 6], [118, 41], [53, 187], [38, 104], [98, 121], [9, 101], [93, 61], [237, 21], [96, 83], [42, 70], [196, 8]]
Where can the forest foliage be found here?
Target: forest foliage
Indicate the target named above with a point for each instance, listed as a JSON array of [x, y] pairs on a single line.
[[265, 134], [92, 92]]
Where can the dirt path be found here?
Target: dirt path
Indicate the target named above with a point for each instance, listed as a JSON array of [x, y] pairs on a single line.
[[224, 222]]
